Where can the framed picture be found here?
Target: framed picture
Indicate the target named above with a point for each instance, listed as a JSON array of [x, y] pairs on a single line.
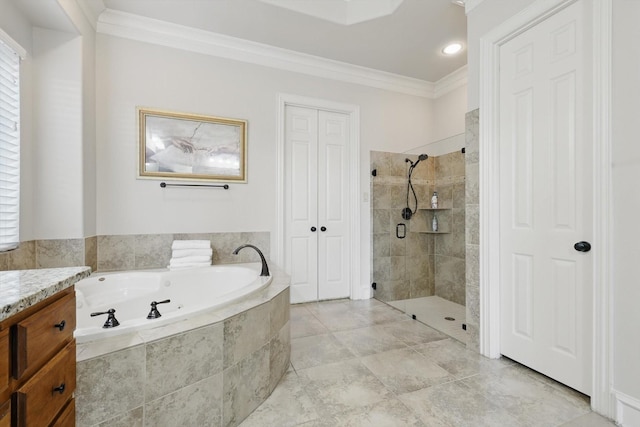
[[191, 147]]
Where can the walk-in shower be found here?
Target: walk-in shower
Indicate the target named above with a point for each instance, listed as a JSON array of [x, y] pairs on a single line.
[[418, 268]]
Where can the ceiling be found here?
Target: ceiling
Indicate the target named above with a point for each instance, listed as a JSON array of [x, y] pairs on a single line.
[[403, 37], [407, 42]]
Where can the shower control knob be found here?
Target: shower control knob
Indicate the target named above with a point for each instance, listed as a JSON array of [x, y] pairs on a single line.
[[313, 229], [323, 228], [582, 246]]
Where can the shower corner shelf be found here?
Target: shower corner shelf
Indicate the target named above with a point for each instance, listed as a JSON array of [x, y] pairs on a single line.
[[444, 218]]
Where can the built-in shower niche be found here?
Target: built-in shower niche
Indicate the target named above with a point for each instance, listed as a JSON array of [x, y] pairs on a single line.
[[424, 263]]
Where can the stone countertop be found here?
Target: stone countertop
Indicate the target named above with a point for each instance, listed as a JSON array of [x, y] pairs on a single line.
[[21, 289]]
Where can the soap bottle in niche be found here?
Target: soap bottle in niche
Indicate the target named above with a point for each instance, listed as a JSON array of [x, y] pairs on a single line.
[[434, 200], [434, 223]]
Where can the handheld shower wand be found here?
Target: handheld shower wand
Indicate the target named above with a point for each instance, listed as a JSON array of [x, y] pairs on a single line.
[[407, 212]]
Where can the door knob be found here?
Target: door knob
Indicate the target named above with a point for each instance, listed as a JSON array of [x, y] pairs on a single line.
[[323, 228], [582, 246], [313, 229]]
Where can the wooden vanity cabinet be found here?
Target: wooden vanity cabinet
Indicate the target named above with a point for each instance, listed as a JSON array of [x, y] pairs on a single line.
[[40, 366]]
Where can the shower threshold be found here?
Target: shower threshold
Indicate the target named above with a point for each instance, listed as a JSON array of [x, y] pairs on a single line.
[[434, 311]]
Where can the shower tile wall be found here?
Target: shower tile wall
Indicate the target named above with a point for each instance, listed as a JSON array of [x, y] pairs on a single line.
[[449, 249], [421, 264], [473, 229], [402, 268]]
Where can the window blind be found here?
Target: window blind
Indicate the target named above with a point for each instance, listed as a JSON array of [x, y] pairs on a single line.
[[9, 148]]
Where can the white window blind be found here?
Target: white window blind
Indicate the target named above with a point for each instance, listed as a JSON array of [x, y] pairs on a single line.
[[9, 148]]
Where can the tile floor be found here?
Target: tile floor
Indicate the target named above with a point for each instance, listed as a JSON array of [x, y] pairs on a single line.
[[364, 363], [433, 310]]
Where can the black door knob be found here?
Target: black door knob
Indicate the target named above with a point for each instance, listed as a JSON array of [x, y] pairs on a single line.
[[582, 246], [323, 228], [313, 229]]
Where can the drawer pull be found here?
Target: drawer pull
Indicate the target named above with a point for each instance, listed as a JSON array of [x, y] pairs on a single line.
[[59, 389], [60, 325]]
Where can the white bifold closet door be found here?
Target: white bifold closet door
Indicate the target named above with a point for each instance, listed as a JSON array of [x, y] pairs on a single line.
[[316, 204]]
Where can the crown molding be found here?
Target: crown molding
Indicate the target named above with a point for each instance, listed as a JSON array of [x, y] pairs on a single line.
[[451, 82], [135, 27], [469, 5], [88, 13]]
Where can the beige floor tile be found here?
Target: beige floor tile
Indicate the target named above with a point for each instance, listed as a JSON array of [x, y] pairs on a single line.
[[405, 370], [457, 360], [531, 402], [413, 332], [369, 340], [288, 406], [390, 413], [343, 386], [455, 405], [589, 420], [317, 350]]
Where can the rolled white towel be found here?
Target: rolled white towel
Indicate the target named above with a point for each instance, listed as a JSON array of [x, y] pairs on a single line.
[[191, 244], [190, 260], [183, 253], [188, 265]]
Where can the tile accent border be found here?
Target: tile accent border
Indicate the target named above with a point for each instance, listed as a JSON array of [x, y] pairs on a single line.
[[127, 252]]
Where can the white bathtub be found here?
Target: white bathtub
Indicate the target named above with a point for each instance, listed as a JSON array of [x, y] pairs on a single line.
[[191, 292]]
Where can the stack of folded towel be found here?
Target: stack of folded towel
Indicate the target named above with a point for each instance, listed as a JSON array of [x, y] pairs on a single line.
[[190, 253]]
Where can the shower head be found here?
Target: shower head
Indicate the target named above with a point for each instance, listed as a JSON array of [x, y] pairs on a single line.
[[420, 158]]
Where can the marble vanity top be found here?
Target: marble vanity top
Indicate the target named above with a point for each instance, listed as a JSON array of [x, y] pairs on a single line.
[[21, 289]]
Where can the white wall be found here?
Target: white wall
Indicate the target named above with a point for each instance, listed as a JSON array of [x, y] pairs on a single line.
[[131, 74], [483, 18], [87, 37], [626, 199], [57, 135]]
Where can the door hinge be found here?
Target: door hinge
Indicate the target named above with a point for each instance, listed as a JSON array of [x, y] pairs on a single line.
[[374, 285]]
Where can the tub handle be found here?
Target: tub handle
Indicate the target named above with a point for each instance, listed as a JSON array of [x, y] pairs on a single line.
[[111, 321], [154, 313]]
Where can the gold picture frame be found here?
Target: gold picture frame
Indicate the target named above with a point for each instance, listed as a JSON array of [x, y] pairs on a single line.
[[191, 147]]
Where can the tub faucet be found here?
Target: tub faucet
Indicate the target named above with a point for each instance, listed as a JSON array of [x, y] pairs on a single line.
[[154, 313], [111, 321], [265, 267]]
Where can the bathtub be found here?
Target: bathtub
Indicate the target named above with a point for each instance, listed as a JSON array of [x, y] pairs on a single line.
[[191, 292], [212, 368]]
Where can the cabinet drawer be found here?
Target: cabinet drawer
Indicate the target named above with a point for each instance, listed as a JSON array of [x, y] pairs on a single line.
[[40, 399], [41, 335], [68, 416], [5, 414], [4, 361]]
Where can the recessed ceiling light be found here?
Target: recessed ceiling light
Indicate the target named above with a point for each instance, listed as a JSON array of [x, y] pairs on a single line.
[[458, 2], [452, 48]]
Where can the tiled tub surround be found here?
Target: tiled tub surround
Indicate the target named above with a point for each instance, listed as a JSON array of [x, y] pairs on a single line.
[[25, 288], [421, 264], [210, 370], [126, 252]]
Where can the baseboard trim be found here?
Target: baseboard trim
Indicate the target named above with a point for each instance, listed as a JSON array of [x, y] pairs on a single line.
[[627, 410]]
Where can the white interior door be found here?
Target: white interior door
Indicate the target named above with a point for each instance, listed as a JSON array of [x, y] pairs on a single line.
[[301, 202], [546, 201], [316, 204], [333, 205]]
